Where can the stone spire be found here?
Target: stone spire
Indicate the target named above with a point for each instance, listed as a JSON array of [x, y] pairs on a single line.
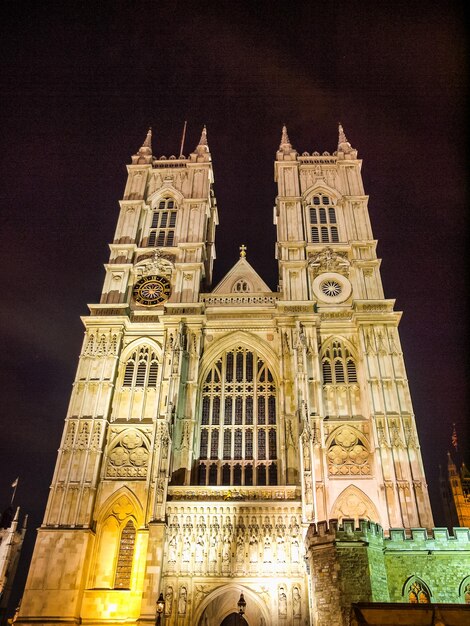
[[285, 144], [344, 147], [144, 155], [201, 152], [286, 151], [203, 139]]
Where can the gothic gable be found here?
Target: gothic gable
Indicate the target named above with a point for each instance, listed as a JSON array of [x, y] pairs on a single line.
[[242, 278]]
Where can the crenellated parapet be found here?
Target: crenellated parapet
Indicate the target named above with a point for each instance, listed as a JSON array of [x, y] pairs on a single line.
[[350, 563]]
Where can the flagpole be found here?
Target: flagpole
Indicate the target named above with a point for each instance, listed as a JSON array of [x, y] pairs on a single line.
[[182, 139], [14, 485]]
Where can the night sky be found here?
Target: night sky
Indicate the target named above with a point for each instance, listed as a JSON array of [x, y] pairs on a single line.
[[82, 81]]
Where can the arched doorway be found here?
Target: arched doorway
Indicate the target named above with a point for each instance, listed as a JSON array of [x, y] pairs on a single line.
[[233, 620], [220, 608]]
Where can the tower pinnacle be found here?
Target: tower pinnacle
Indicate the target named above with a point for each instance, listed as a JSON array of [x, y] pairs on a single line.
[[201, 152], [344, 146], [144, 155], [285, 151], [285, 144], [203, 139]]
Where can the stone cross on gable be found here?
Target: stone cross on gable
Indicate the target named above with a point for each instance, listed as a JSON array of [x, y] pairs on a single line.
[[242, 251]]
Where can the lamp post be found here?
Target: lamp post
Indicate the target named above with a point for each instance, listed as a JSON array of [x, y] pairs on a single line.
[[160, 609], [241, 608]]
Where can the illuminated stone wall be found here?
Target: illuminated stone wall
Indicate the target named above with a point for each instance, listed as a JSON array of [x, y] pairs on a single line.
[[350, 565]]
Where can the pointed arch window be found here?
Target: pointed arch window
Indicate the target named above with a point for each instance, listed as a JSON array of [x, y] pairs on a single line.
[[338, 365], [162, 229], [418, 593], [464, 590], [323, 223], [238, 417], [141, 369], [125, 557]]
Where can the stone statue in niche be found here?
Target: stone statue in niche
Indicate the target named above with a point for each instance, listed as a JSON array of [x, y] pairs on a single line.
[[296, 602], [199, 548], [182, 601], [281, 548], [306, 449], [186, 554], [213, 548], [294, 549], [282, 602], [240, 548], [308, 487], [172, 547], [168, 600], [267, 549], [253, 548], [289, 433], [226, 548]]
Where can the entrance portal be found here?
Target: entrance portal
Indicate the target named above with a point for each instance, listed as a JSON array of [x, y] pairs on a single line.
[[220, 608], [233, 620]]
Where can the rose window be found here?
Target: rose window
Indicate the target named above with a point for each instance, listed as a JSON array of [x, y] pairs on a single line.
[[331, 288]]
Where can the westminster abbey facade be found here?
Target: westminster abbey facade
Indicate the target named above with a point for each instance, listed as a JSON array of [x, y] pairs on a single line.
[[213, 431]]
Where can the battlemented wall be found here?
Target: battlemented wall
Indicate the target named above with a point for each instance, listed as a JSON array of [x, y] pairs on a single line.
[[349, 565]]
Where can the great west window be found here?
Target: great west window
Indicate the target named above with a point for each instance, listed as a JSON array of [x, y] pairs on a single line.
[[238, 427]]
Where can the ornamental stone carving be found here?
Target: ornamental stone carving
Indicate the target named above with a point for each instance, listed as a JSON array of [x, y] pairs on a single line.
[[157, 263], [348, 454], [128, 455], [327, 260]]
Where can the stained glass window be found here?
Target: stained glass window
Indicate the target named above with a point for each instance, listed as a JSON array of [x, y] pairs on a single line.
[[238, 404], [125, 557]]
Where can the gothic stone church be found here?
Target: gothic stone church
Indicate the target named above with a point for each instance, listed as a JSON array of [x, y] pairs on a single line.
[[212, 432]]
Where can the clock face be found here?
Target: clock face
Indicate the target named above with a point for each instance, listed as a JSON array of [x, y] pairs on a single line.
[[152, 290]]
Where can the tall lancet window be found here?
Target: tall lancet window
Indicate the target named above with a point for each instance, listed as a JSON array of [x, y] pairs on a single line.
[[125, 557], [238, 436], [323, 224], [162, 229]]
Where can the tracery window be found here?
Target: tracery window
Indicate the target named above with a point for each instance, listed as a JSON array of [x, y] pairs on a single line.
[[162, 229], [338, 365], [323, 223], [464, 590], [125, 557], [341, 390], [418, 593], [141, 369], [466, 594], [238, 422]]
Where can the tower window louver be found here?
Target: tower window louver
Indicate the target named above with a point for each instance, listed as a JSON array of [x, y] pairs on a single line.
[[323, 224], [162, 229], [338, 366], [141, 369]]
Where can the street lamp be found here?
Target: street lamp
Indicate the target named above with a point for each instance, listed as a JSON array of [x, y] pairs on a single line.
[[241, 607], [160, 609]]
